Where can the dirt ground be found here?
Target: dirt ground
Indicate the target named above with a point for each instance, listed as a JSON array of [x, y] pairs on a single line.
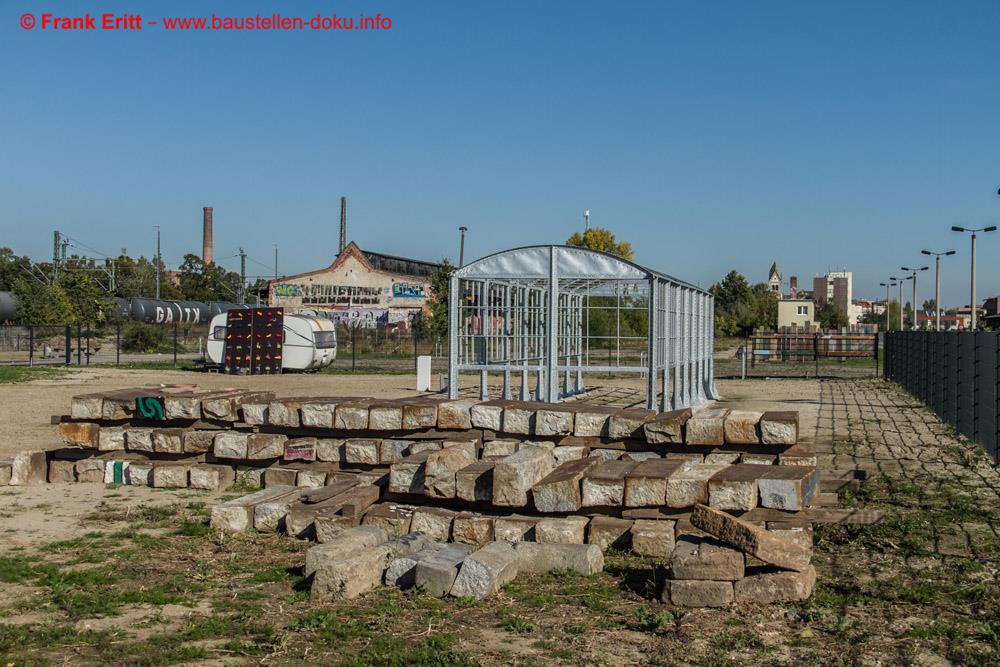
[[95, 574]]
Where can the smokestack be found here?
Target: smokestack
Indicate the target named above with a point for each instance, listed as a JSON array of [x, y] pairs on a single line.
[[793, 286], [206, 235], [343, 224]]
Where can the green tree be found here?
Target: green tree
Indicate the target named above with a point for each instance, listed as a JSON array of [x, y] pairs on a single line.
[[13, 269], [830, 317], [42, 303], [598, 238], [207, 282], [736, 310], [435, 325], [88, 299], [930, 307]]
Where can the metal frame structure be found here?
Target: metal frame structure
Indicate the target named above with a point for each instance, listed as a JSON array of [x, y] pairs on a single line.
[[556, 312]]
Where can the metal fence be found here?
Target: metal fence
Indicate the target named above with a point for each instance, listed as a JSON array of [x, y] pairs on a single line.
[[955, 374], [802, 355]]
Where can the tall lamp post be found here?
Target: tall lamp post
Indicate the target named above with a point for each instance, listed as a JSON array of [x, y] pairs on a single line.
[[157, 261], [913, 324], [902, 327], [887, 286], [972, 282], [461, 247], [937, 283]]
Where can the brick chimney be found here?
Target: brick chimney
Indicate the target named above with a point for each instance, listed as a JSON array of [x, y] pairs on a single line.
[[793, 286], [206, 235]]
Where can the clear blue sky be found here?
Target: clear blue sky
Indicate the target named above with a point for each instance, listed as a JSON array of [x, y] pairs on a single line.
[[713, 136]]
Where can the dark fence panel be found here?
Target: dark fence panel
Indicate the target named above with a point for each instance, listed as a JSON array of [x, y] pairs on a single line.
[[955, 374]]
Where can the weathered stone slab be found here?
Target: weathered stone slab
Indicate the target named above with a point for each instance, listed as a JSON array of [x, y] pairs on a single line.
[[519, 418], [393, 451], [269, 517], [604, 485], [487, 415], [87, 406], [263, 446], [407, 476], [237, 515], [727, 457], [435, 522], [455, 415], [693, 593], [608, 531], [585, 559], [249, 476], [351, 416], [170, 476], [60, 472], [606, 454], [770, 585], [743, 427], [230, 445], [29, 469], [500, 448], [629, 423], [439, 473], [640, 456], [300, 449], [284, 412], [705, 558], [363, 450], [485, 571], [88, 470], [137, 473], [80, 434], [229, 407], [790, 488], [419, 415], [646, 483], [562, 530], [798, 455], [570, 453], [211, 477], [312, 478], [474, 529], [689, 486], [168, 440], [352, 504], [653, 537], [280, 476], [667, 427], [424, 446], [515, 528], [554, 420], [758, 542], [474, 483], [385, 416], [707, 427], [758, 459], [560, 490], [330, 449], [359, 538], [436, 574], [395, 519], [139, 439], [198, 442], [111, 438], [687, 460], [514, 475], [317, 415], [592, 420], [254, 413], [402, 571], [779, 428], [735, 487]]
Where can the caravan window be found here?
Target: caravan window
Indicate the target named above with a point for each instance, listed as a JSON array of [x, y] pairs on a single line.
[[325, 339], [219, 333]]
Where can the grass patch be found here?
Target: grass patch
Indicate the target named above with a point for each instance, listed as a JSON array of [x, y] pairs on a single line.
[[16, 374]]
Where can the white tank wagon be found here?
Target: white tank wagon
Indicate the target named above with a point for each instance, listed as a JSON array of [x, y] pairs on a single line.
[[310, 342]]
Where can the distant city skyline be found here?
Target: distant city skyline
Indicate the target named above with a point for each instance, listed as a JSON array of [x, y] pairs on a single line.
[[712, 137]]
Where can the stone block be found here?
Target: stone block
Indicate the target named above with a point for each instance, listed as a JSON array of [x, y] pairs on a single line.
[[515, 528], [60, 472], [554, 420], [359, 538], [705, 558], [237, 515], [407, 476], [519, 418], [87, 406], [419, 415], [211, 477], [500, 448], [351, 416], [198, 442], [514, 475], [394, 519], [363, 450], [317, 415], [435, 522], [487, 416], [345, 513], [284, 412], [280, 476], [376, 477], [560, 490], [735, 487], [629, 423], [640, 456], [80, 434], [797, 455], [349, 575], [592, 420], [743, 427], [250, 476], [694, 593], [474, 529], [170, 476], [230, 445], [137, 473], [604, 485], [474, 483], [767, 585], [585, 559], [779, 428], [653, 537], [300, 449], [455, 415], [311, 478], [263, 446], [687, 460], [385, 416], [689, 486], [606, 454], [254, 413], [393, 451], [111, 438], [168, 440], [646, 483], [436, 573], [439, 473], [29, 469], [485, 571], [269, 517], [402, 571], [774, 549], [707, 427], [562, 530], [331, 449], [424, 446], [570, 453], [789, 488], [608, 531], [728, 458], [667, 427], [89, 470]]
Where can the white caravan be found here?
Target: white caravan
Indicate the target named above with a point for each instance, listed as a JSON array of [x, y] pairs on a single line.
[[310, 342]]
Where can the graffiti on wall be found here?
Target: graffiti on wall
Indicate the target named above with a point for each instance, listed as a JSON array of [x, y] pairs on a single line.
[[330, 295], [407, 291], [287, 290]]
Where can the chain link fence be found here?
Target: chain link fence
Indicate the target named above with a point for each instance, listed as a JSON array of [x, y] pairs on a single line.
[[801, 355], [955, 374]]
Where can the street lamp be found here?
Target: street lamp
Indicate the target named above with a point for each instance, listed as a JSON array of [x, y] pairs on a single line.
[[937, 283], [157, 261], [887, 286], [901, 281], [914, 301], [972, 282]]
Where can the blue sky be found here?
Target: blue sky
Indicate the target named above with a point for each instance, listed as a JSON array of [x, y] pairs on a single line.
[[713, 136]]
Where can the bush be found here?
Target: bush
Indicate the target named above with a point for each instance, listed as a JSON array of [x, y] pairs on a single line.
[[145, 340]]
